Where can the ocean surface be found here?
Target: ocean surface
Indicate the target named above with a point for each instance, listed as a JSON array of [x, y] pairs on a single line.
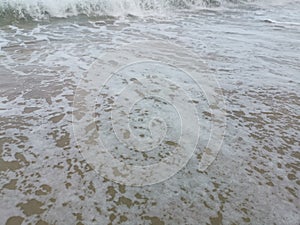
[[245, 55]]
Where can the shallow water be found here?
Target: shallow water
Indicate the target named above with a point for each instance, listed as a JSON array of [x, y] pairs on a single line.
[[253, 51]]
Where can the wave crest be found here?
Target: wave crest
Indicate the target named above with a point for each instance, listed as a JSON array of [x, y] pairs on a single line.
[[41, 9]]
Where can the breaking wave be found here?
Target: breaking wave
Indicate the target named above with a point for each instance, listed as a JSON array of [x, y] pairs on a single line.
[[41, 9]]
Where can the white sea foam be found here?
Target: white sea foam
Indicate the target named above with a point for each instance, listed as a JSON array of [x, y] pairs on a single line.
[[39, 9]]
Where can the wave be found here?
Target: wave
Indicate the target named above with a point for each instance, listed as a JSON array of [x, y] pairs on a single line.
[[41, 9]]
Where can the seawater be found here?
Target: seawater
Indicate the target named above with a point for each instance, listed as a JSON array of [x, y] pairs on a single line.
[[251, 48]]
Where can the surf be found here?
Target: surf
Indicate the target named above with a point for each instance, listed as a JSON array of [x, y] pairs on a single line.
[[43, 9]]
